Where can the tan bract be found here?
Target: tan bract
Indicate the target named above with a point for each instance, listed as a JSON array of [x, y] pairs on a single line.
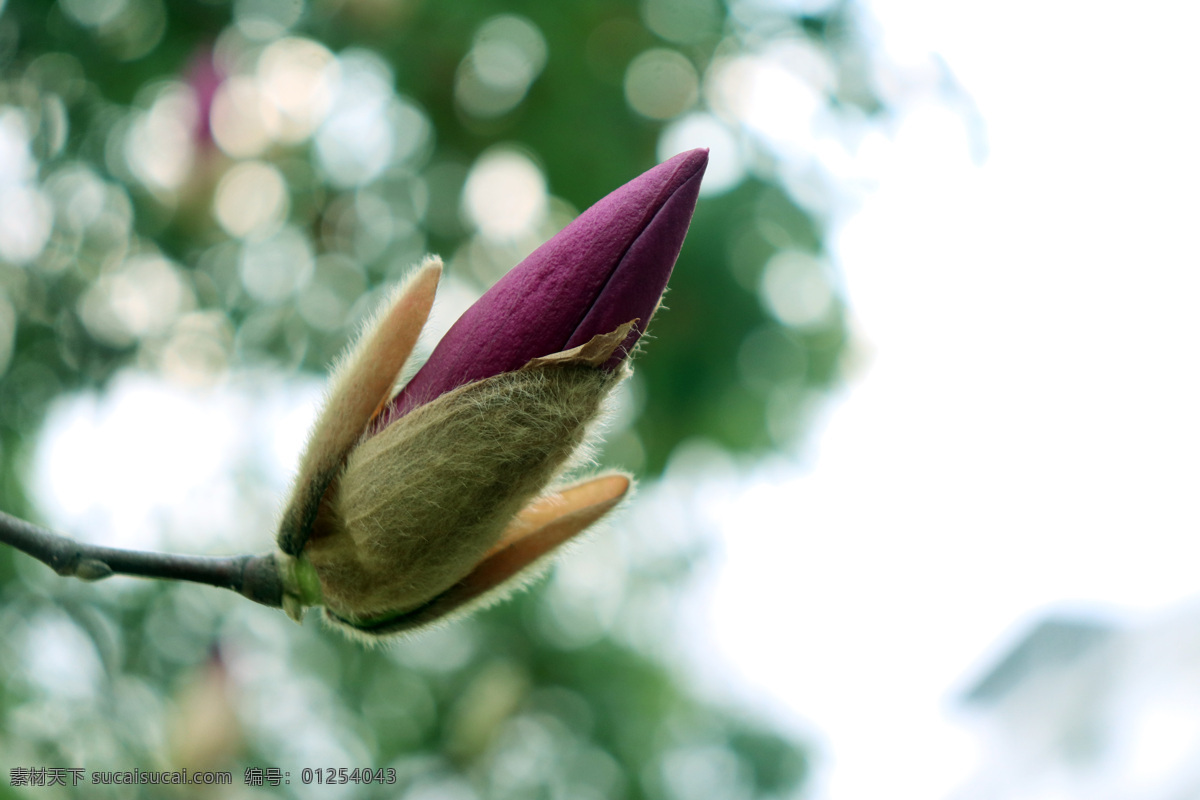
[[360, 386]]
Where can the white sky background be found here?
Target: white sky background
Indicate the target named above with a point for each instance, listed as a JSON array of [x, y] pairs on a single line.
[[1023, 434]]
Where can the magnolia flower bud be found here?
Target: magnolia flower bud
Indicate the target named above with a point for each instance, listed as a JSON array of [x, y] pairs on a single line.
[[412, 508]]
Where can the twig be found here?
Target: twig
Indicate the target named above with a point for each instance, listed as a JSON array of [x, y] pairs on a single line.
[[255, 577]]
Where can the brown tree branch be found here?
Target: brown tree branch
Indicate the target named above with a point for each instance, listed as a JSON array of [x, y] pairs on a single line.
[[254, 577]]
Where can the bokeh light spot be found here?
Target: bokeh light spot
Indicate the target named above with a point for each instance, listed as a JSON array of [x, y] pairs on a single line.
[[146, 294], [661, 84], [505, 195], [585, 595], [198, 349], [683, 21], [413, 131], [777, 95], [374, 225], [16, 162], [60, 73], [298, 77], [126, 29], [242, 121], [61, 659], [159, 146], [358, 139], [508, 54], [766, 354], [337, 284], [26, 215], [251, 200], [706, 772], [26, 218], [263, 20], [93, 13], [79, 194], [795, 289], [141, 297], [275, 268]]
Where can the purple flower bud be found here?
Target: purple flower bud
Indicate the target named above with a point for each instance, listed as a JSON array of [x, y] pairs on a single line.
[[400, 519], [608, 267]]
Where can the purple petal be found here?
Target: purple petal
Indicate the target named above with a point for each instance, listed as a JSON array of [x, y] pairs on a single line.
[[606, 268]]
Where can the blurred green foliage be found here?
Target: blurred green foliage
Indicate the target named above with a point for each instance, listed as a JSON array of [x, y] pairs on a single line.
[[126, 244]]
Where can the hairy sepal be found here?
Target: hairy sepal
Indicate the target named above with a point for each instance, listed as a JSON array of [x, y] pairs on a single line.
[[421, 503], [361, 385]]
